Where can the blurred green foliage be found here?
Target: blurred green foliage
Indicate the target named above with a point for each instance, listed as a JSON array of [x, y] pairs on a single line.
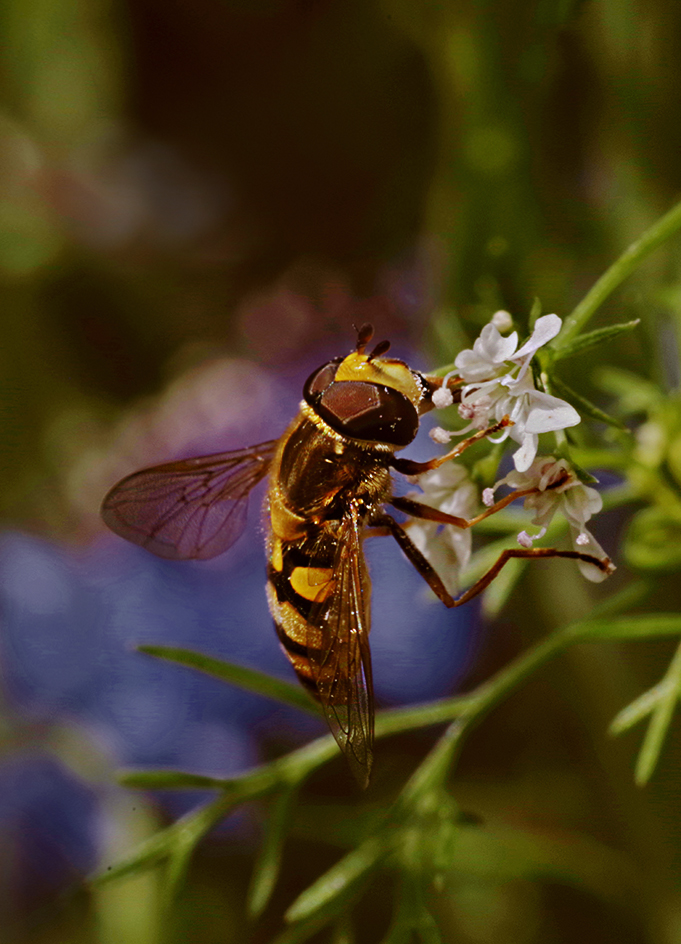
[[165, 167]]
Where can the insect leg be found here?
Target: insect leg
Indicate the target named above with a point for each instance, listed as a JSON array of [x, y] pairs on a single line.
[[410, 467], [419, 510], [415, 557], [433, 580], [530, 553], [377, 533], [427, 512]]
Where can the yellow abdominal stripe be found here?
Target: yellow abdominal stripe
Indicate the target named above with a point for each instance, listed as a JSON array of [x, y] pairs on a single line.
[[313, 583], [300, 631]]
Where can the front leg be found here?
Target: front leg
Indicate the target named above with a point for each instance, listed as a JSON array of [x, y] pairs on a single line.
[[410, 467]]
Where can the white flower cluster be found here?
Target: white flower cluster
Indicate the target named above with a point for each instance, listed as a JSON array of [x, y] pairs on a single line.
[[553, 486], [498, 383]]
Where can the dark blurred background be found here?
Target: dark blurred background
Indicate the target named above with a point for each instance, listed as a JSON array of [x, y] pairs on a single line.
[[197, 201]]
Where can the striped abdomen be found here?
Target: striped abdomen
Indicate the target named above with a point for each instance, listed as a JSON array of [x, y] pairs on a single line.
[[300, 583]]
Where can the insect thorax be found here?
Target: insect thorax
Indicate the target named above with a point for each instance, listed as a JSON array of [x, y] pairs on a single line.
[[317, 472]]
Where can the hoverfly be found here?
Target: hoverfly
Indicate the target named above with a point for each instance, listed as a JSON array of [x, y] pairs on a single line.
[[329, 480]]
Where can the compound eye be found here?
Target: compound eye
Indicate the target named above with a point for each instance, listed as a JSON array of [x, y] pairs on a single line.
[[319, 380], [369, 411]]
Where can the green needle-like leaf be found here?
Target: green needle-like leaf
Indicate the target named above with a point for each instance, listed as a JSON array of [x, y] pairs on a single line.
[[250, 679], [631, 627], [535, 311], [339, 880], [640, 708], [146, 855], [591, 338], [170, 780], [267, 866], [659, 723], [172, 841], [178, 866], [302, 930], [584, 406], [661, 230]]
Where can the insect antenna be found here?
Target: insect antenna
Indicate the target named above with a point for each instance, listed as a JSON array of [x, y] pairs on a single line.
[[380, 349], [364, 335]]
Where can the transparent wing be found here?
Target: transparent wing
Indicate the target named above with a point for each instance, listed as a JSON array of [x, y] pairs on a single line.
[[341, 664], [191, 509]]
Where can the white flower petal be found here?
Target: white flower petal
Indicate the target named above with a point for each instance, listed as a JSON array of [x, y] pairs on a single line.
[[581, 502], [545, 328], [494, 346], [447, 550], [547, 413], [524, 457], [488, 356], [584, 542]]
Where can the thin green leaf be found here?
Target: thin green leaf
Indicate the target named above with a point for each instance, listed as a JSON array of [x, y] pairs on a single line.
[[302, 930], [425, 785], [638, 709], [187, 830], [170, 780], [339, 880], [268, 863], [535, 311], [644, 626], [661, 230], [250, 679], [659, 723], [178, 866], [412, 919], [145, 856], [591, 338], [585, 407]]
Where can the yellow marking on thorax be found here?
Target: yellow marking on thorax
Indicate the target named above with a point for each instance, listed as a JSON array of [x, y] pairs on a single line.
[[387, 371], [313, 583], [286, 524]]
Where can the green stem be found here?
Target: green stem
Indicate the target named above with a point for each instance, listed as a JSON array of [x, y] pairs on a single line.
[[665, 227]]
